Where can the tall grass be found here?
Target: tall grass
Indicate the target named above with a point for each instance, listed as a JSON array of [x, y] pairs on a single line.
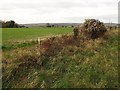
[[61, 62]]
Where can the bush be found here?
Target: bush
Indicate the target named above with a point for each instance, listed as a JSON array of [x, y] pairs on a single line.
[[91, 28]]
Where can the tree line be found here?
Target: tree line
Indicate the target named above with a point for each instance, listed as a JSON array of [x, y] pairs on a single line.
[[10, 24]]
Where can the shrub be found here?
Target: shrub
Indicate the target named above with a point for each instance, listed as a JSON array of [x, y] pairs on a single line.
[[91, 28]]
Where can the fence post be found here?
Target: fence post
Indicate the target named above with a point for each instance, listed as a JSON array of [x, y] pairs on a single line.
[[39, 41]]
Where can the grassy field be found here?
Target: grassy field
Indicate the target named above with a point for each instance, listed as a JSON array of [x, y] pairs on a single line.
[[89, 64], [11, 34], [20, 37]]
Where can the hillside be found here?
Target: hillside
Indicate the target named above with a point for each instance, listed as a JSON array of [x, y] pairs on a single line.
[[60, 24], [85, 64], [55, 24]]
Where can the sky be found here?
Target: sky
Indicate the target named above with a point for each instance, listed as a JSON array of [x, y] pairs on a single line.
[[58, 11]]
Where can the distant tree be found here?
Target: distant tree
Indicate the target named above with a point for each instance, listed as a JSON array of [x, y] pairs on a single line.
[[9, 24], [6, 24], [22, 26], [16, 25], [48, 25], [72, 26], [52, 26], [12, 24]]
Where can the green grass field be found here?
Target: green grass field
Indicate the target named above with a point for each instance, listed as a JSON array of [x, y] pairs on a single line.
[[11, 34], [14, 37]]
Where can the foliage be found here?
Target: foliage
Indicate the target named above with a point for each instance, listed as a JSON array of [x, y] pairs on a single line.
[[10, 24], [91, 28]]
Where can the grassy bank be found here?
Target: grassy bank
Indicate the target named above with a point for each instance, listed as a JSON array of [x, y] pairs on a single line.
[[85, 64]]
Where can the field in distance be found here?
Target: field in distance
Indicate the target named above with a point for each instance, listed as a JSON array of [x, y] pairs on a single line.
[[30, 33], [12, 36]]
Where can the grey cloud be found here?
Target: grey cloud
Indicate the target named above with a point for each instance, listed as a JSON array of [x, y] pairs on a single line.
[[42, 8], [110, 18], [105, 18], [46, 8], [75, 5], [48, 5], [52, 5]]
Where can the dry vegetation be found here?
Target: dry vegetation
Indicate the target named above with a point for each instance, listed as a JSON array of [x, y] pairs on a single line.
[[64, 62]]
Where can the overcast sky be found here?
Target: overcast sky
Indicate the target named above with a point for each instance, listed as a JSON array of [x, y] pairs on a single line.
[[58, 11]]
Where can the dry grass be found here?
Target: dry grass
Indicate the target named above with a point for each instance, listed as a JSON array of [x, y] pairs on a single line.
[[64, 64]]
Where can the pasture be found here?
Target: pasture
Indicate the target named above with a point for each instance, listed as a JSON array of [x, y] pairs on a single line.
[[31, 33], [19, 37]]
